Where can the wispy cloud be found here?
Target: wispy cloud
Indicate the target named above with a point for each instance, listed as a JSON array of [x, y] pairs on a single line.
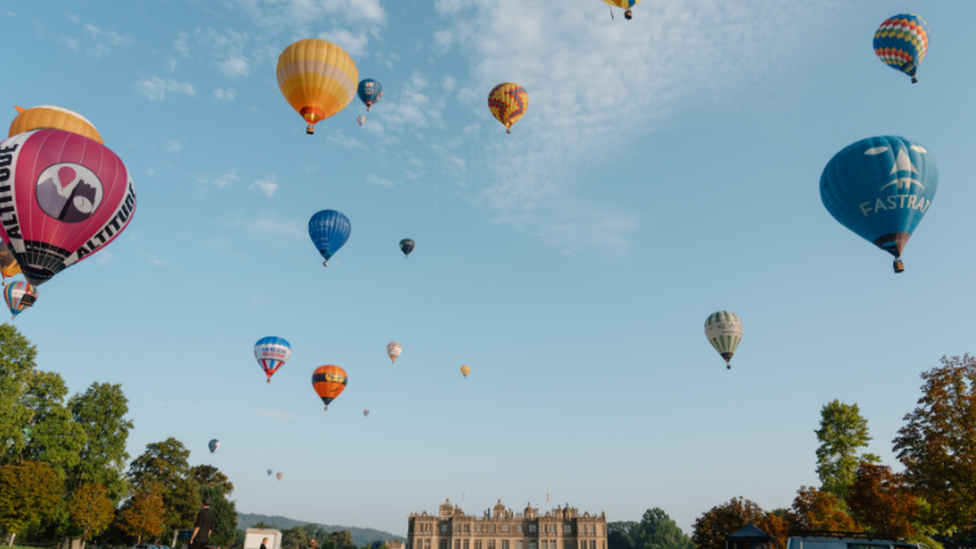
[[104, 258], [156, 88], [413, 106], [173, 145], [105, 40], [354, 44], [158, 262], [377, 180], [273, 414], [163, 404], [267, 227], [227, 49], [301, 15], [225, 180], [224, 95], [338, 138], [267, 187]]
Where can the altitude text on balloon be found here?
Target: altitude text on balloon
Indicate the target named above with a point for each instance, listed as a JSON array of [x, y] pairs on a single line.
[[117, 223]]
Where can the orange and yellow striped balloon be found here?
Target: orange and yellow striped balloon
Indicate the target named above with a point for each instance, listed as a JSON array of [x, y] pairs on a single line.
[[317, 78], [508, 103], [56, 118]]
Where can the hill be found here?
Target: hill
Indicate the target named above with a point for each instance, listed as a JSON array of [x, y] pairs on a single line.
[[360, 536]]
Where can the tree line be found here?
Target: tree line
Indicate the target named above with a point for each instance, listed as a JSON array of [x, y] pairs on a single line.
[[63, 463], [931, 501]]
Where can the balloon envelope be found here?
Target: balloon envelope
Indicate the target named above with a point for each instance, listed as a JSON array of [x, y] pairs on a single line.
[[901, 42], [270, 472], [880, 188], [366, 413], [370, 91], [406, 246], [465, 370], [724, 331], [279, 475], [214, 445], [626, 4], [507, 103], [19, 296], [329, 230], [361, 119], [67, 197], [317, 78], [8, 263], [329, 381], [272, 353], [393, 351], [55, 118]]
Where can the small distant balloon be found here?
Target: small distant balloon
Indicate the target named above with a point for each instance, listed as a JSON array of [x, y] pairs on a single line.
[[507, 103], [361, 119], [370, 91], [279, 475], [724, 331], [272, 353], [329, 231], [214, 446], [406, 246], [270, 472], [393, 351], [625, 4], [19, 296], [465, 370], [901, 42], [366, 413]]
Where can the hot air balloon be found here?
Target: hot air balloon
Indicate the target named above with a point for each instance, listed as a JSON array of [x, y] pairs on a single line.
[[19, 296], [317, 78], [270, 472], [279, 475], [361, 119], [880, 188], [366, 413], [393, 351], [901, 43], [55, 118], [626, 5], [329, 230], [66, 197], [724, 331], [272, 353], [508, 103], [329, 381], [465, 370], [406, 246], [370, 91], [8, 263], [214, 445]]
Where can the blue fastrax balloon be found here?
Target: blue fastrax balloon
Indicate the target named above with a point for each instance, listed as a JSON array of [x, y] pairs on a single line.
[[329, 230], [880, 188]]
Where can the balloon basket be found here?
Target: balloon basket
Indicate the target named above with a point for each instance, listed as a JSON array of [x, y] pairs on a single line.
[[325, 263], [628, 15], [310, 129], [508, 130], [898, 266], [914, 80]]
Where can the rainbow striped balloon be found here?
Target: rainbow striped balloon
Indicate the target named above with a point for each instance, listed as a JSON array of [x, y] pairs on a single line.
[[901, 43], [318, 79], [508, 102], [19, 296], [626, 4]]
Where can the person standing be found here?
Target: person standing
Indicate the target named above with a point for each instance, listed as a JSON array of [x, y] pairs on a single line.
[[264, 543], [203, 526]]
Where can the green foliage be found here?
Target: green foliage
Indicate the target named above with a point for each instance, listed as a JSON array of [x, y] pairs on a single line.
[[714, 525], [842, 431], [937, 445], [262, 525], [294, 538], [618, 535], [100, 411], [165, 464], [225, 515], [208, 476], [360, 536], [143, 515], [17, 363], [55, 439], [657, 530], [239, 536], [820, 510], [90, 510], [29, 493]]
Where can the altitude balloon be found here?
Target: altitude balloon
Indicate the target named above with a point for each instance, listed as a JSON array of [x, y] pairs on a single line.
[[366, 413], [329, 230], [317, 78], [724, 331], [329, 381], [19, 296], [370, 91], [507, 103], [214, 445], [55, 118], [361, 119], [393, 351], [880, 188], [625, 4], [8, 263], [66, 197], [465, 370], [272, 353], [901, 42], [279, 475], [406, 246]]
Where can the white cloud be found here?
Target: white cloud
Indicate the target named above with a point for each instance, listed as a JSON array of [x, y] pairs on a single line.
[[412, 107], [273, 415], [225, 95], [104, 258], [227, 49], [354, 44], [150, 171], [173, 145], [339, 138], [158, 262], [156, 88], [270, 228], [449, 84], [71, 42], [235, 66], [105, 38], [73, 17], [265, 187], [225, 180], [301, 14], [181, 45], [449, 7], [443, 39], [377, 180]]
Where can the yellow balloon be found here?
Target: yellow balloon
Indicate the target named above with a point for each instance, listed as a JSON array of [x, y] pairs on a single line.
[[49, 116], [317, 78], [508, 102], [625, 4], [465, 370]]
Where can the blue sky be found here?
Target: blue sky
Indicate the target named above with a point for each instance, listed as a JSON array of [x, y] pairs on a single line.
[[667, 168]]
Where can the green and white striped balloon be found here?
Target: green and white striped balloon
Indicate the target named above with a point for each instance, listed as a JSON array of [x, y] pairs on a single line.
[[724, 331]]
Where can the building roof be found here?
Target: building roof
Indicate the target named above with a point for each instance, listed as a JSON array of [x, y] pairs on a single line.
[[749, 533]]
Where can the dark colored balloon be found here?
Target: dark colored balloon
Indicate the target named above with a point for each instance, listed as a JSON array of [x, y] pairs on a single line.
[[406, 246]]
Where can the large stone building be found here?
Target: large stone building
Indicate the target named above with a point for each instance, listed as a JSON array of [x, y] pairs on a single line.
[[500, 528]]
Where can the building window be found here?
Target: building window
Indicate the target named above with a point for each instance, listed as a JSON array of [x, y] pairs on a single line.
[[443, 544], [465, 544], [567, 529], [505, 528], [567, 544], [491, 544], [457, 527], [443, 528], [467, 528], [592, 544], [532, 530], [532, 544], [504, 544], [491, 530], [477, 544], [519, 529], [518, 544], [426, 544], [545, 544], [457, 544]]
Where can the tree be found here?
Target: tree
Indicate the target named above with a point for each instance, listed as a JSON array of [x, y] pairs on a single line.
[[225, 516], [208, 476], [714, 525], [341, 539], [879, 500], [90, 510], [776, 523], [842, 431], [54, 438], [262, 525], [164, 464], [143, 515], [100, 412], [294, 538], [29, 493], [820, 510], [937, 446], [657, 530], [618, 535], [17, 365]]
